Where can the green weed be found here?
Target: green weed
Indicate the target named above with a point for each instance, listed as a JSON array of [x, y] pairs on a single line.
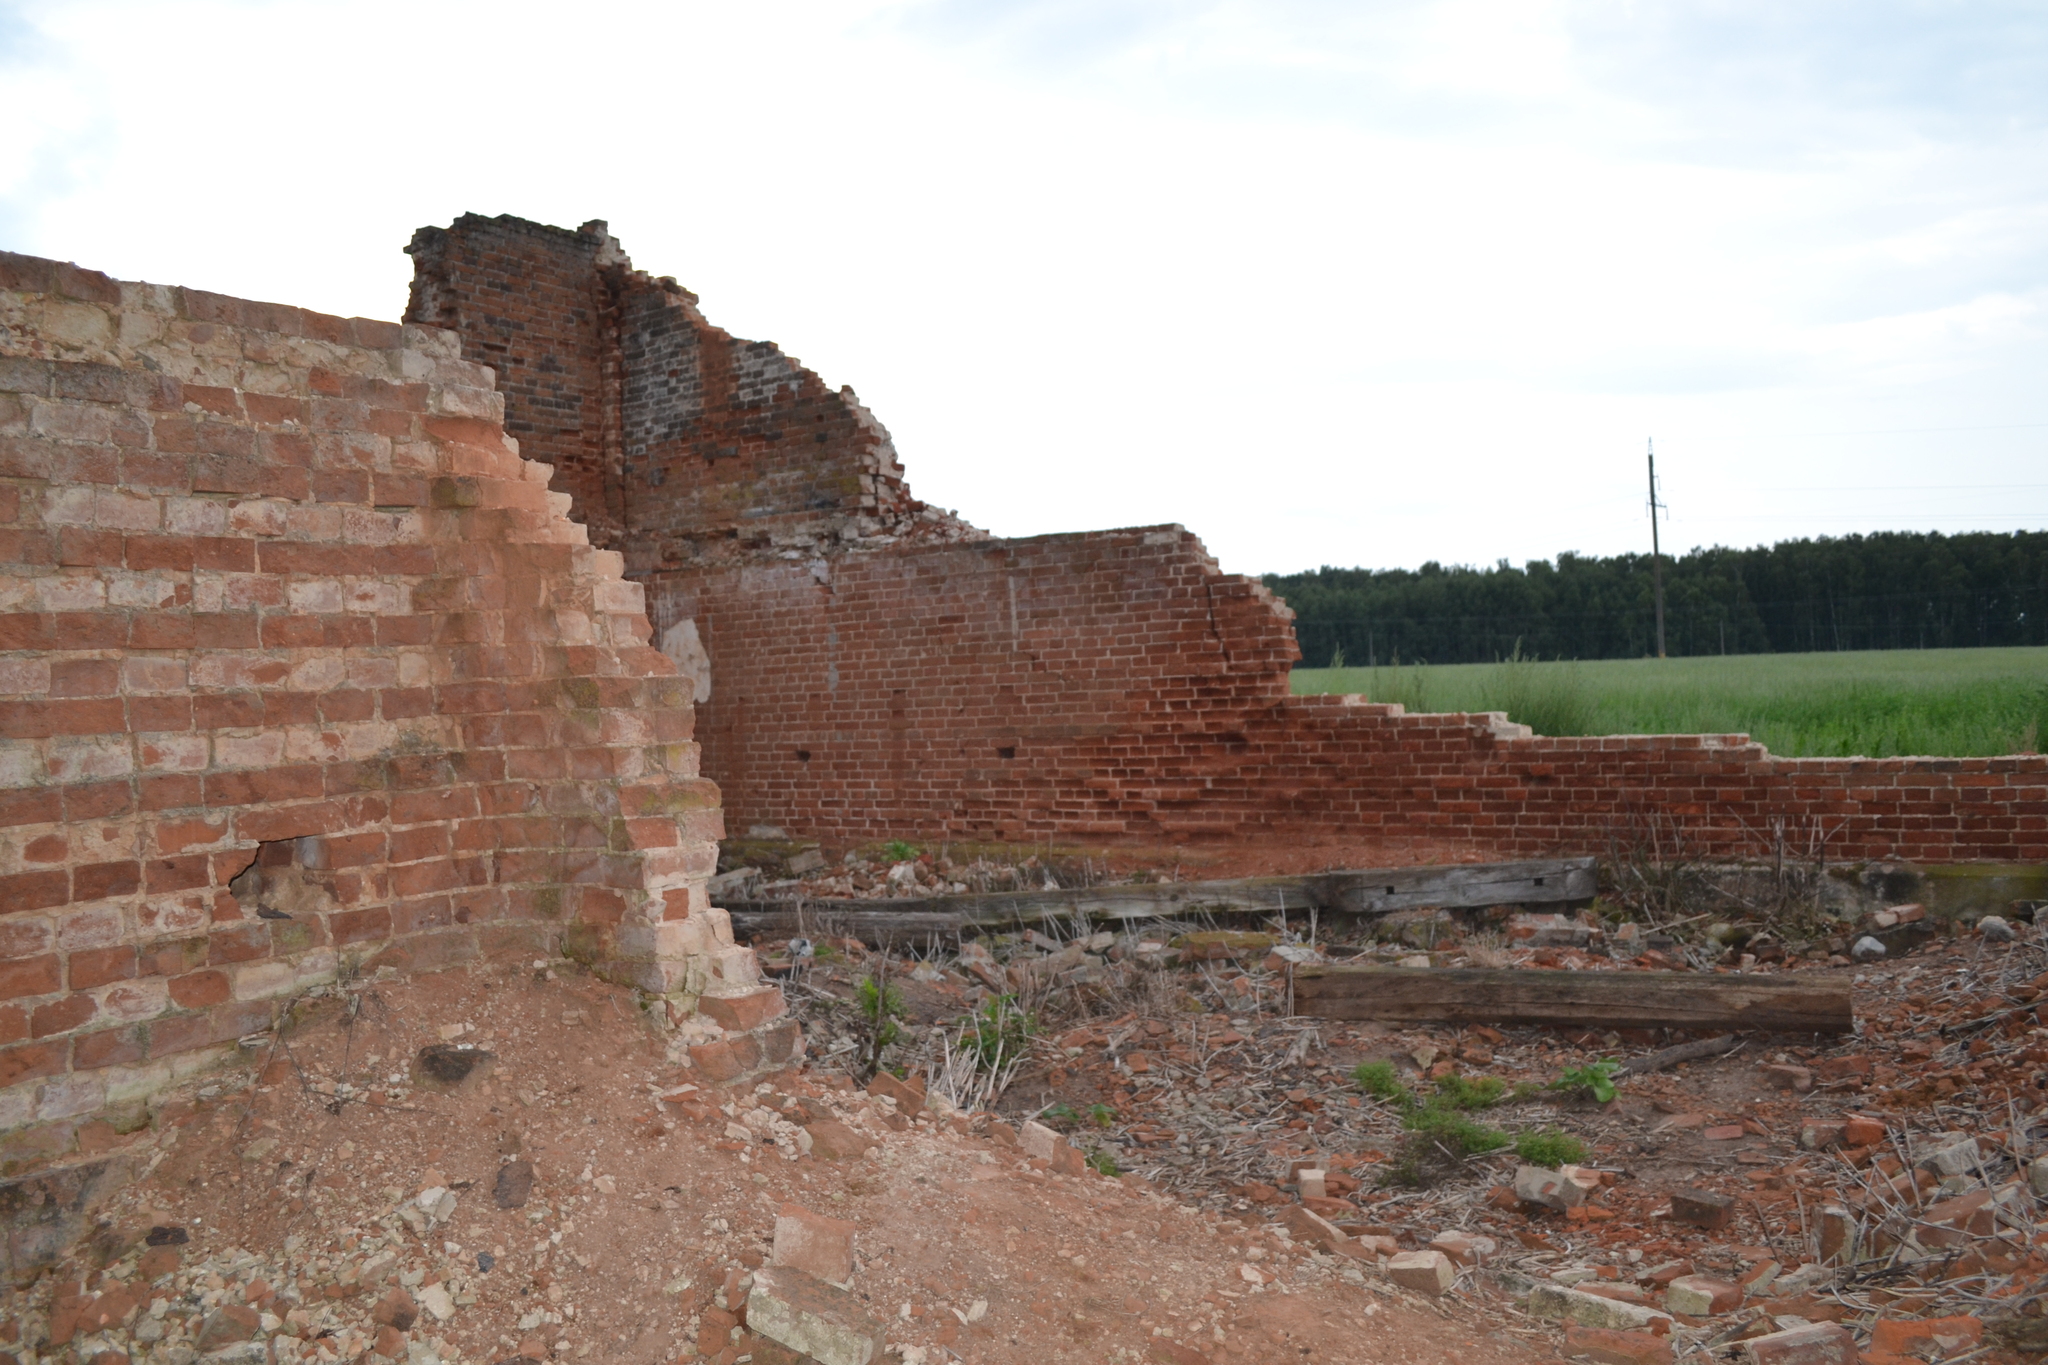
[[1105, 1163], [897, 851], [1459, 1093], [1550, 1148], [1378, 1080], [999, 1031], [1595, 1079]]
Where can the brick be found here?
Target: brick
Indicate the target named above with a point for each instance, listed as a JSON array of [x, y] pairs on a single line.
[[1700, 1296], [1906, 1336], [814, 1244], [812, 1318], [832, 1140], [200, 990], [1425, 1272], [744, 1013], [39, 975], [1820, 1343], [909, 1098], [1616, 1348], [1702, 1208]]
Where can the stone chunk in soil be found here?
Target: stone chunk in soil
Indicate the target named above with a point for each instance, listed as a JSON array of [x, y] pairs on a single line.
[[1425, 1272], [812, 1318], [514, 1185], [445, 1065], [817, 1245]]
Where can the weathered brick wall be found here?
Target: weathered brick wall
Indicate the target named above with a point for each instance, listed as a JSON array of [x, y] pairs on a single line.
[[287, 624], [678, 441], [868, 683], [1114, 686]]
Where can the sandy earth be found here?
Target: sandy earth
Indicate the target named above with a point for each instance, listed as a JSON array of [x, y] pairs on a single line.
[[639, 1215]]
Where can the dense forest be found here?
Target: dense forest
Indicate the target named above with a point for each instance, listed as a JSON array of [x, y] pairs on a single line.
[[1892, 590]]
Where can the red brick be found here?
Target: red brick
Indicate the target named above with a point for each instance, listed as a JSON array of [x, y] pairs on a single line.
[[41, 975], [98, 881], [34, 890], [198, 990], [30, 1061], [62, 1016]]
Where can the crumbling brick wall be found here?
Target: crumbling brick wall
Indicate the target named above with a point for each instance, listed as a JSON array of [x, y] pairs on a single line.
[[302, 664], [677, 441], [870, 669], [1114, 686]]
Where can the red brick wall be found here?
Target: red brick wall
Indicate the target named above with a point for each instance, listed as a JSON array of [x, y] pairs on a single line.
[[269, 576], [1115, 687], [679, 442], [529, 302], [867, 683]]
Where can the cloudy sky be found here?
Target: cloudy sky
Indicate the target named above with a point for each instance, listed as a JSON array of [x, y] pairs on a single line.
[[1330, 283]]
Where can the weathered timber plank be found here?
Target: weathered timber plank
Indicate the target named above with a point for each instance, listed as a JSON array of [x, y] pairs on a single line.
[[1372, 891], [1535, 881], [911, 916], [1679, 1000]]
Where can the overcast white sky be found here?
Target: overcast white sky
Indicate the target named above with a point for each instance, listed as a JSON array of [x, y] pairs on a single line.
[[1364, 283]]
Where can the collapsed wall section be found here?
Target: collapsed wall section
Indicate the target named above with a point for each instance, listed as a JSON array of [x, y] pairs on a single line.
[[302, 669]]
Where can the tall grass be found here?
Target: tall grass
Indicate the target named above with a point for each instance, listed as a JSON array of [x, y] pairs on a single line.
[[1877, 704]]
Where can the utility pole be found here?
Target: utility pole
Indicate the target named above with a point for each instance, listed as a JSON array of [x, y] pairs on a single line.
[[1656, 555]]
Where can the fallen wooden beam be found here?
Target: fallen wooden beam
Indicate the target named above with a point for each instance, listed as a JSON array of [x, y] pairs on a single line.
[[1371, 891], [906, 919], [1536, 881], [1677, 1000]]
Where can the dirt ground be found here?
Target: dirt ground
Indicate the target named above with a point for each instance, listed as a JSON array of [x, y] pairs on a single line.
[[307, 1209], [287, 1202]]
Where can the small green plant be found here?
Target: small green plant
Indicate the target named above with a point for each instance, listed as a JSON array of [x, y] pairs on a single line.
[[897, 851], [1452, 1130], [1105, 1163], [880, 1005], [1548, 1147], [1101, 1115], [1378, 1080], [1060, 1113], [1459, 1093], [999, 1031], [821, 951], [1596, 1079]]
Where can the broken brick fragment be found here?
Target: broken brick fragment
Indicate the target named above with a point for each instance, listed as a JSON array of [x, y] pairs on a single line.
[[1703, 1208]]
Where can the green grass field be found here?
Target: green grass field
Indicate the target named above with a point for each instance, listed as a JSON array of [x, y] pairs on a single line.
[[1876, 704]]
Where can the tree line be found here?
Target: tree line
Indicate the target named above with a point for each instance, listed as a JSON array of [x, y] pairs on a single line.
[[1890, 590]]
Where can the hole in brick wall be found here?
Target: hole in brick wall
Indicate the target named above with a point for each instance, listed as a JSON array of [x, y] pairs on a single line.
[[1007, 751], [803, 755], [286, 879]]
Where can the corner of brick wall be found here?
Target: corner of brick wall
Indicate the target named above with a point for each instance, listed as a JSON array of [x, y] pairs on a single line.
[[276, 580]]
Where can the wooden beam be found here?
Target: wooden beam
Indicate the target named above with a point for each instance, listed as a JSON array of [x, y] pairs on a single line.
[[1552, 881], [1801, 1003], [1537, 881], [910, 917]]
